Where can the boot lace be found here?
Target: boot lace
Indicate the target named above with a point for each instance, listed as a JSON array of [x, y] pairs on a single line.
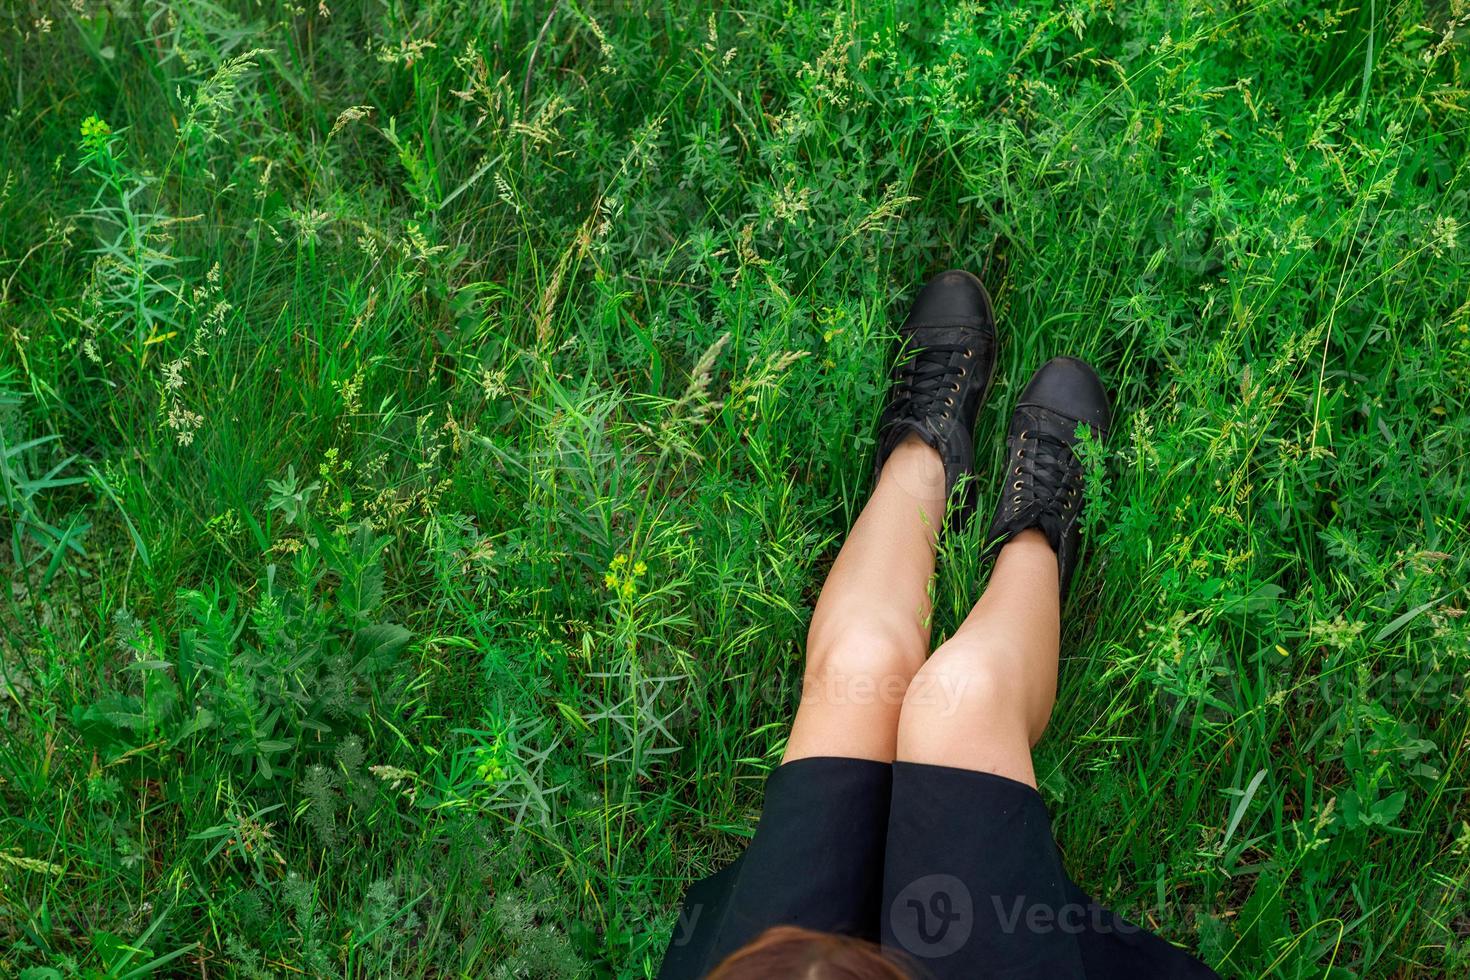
[[1045, 478], [928, 383]]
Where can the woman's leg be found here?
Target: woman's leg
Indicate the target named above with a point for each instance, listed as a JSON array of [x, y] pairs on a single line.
[[971, 872], [870, 630], [817, 857], [984, 698], [968, 855]]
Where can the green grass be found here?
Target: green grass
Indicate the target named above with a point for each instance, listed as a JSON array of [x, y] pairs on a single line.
[[344, 355]]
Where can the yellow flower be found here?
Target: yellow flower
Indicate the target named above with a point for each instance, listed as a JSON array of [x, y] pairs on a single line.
[[95, 132], [621, 579]]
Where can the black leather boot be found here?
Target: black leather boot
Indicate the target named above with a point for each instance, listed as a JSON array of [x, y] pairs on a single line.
[[1043, 479], [945, 364]]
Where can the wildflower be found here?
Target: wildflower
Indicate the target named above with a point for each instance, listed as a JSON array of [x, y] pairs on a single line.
[[173, 374], [1461, 846], [611, 579], [185, 423], [408, 51], [308, 223], [604, 47], [1339, 632], [398, 779], [790, 202], [622, 580], [416, 244], [349, 115], [493, 383], [95, 133], [1444, 235], [492, 762], [507, 197], [214, 100]]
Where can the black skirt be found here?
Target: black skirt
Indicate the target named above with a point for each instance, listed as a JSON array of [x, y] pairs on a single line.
[[954, 869]]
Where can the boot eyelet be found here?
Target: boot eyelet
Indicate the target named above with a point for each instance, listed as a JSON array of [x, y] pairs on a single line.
[[1016, 499], [969, 352], [1016, 485], [950, 403], [963, 371], [1024, 433], [1017, 471], [1020, 453]]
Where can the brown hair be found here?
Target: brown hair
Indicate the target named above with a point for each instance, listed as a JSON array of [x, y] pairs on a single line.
[[800, 954]]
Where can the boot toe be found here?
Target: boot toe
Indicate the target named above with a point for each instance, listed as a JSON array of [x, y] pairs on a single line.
[[952, 297], [1070, 386]]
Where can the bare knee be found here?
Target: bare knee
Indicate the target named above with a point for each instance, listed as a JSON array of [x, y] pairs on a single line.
[[969, 690], [953, 687], [863, 663]]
